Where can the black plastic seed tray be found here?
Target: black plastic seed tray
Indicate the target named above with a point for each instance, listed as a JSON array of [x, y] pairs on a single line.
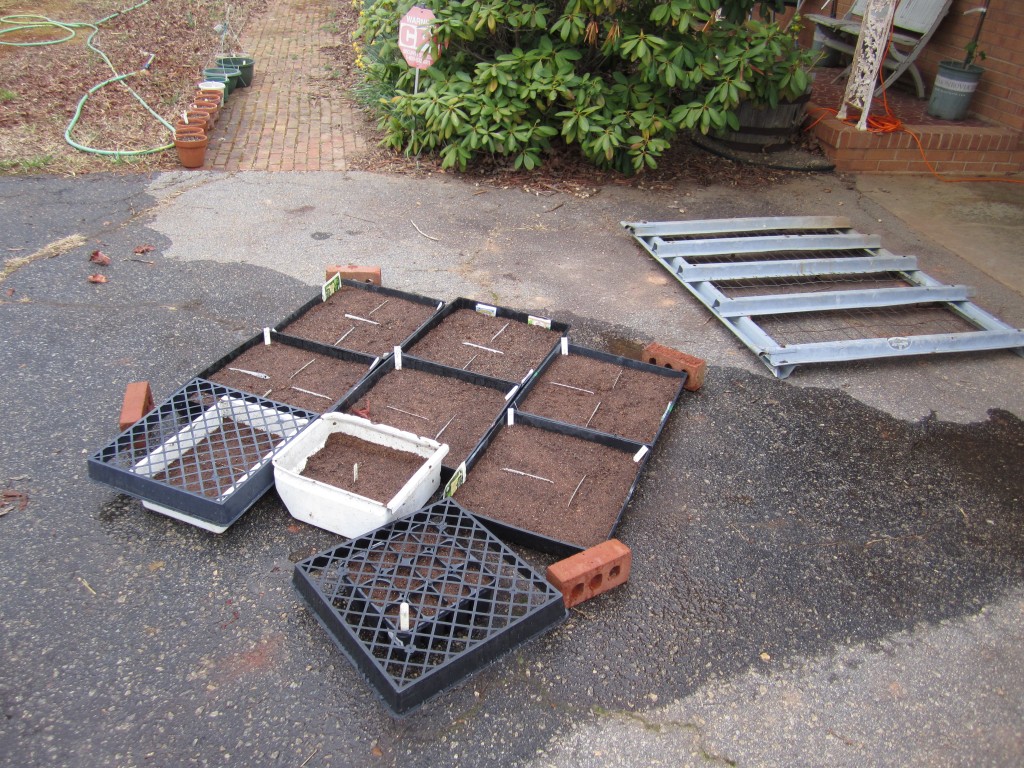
[[381, 347], [524, 505], [606, 395], [499, 313], [203, 455], [439, 428], [357, 365], [470, 599]]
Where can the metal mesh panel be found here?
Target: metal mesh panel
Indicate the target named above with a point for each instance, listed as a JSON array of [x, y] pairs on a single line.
[[849, 325], [463, 587]]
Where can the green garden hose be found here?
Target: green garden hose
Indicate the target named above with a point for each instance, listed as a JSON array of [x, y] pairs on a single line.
[[24, 21]]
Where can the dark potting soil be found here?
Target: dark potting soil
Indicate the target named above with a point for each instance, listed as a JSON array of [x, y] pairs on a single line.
[[425, 404], [216, 462], [511, 348], [292, 370], [383, 471], [604, 396], [393, 320], [545, 504]]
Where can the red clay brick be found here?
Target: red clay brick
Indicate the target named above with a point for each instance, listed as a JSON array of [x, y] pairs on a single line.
[[138, 401], [695, 367], [592, 572], [352, 272]]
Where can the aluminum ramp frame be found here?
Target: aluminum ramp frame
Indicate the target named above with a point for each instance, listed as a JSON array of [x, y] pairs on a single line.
[[733, 266]]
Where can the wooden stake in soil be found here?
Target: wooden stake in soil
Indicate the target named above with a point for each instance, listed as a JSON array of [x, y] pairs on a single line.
[[501, 331], [361, 319], [378, 306], [302, 369], [257, 374], [407, 413], [592, 414], [569, 386], [355, 473], [343, 336], [474, 357], [576, 491], [485, 349], [444, 427], [526, 474], [314, 394], [617, 377]]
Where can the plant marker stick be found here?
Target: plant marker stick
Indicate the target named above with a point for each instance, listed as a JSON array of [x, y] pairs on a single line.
[[527, 474], [569, 386], [576, 491], [378, 306], [617, 377], [403, 611], [407, 413], [501, 331], [361, 319], [314, 394], [485, 349], [593, 414], [474, 357], [257, 374], [302, 368], [444, 427], [342, 337], [355, 472]]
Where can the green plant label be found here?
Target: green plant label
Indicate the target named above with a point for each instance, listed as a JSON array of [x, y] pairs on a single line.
[[331, 287], [543, 322], [487, 309], [456, 482]]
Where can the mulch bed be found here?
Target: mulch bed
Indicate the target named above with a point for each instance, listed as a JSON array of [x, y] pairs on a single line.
[[393, 320], [291, 370], [619, 400], [425, 404], [493, 346], [548, 506], [382, 473]]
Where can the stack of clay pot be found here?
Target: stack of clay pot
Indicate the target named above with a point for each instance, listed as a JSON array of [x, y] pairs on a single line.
[[192, 131]]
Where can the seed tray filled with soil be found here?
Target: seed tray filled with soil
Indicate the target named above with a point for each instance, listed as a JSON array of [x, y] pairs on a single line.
[[493, 341], [203, 455], [448, 405], [603, 392], [553, 487], [469, 599], [361, 317], [349, 476], [291, 371]]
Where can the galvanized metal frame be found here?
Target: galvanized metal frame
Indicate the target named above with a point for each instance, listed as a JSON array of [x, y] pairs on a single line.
[[834, 249]]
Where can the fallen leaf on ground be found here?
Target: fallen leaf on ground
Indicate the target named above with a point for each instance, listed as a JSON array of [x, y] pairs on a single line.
[[100, 258], [12, 498], [10, 291], [97, 278], [145, 248]]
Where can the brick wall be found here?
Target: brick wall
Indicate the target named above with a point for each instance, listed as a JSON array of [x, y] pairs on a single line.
[[1000, 96]]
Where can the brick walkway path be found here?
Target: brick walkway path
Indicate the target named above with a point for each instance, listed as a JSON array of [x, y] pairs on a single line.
[[287, 120]]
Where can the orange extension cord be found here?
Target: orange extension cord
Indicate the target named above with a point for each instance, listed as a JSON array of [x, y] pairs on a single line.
[[889, 123]]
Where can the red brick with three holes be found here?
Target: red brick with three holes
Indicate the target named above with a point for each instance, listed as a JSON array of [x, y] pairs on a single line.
[[592, 572]]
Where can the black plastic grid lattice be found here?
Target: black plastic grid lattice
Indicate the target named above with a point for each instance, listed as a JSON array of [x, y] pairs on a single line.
[[470, 599], [204, 452]]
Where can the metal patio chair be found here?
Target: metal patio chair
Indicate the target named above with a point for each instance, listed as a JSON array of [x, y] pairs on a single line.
[[913, 26]]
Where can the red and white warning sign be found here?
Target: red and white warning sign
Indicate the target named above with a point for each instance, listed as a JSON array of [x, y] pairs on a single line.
[[415, 39]]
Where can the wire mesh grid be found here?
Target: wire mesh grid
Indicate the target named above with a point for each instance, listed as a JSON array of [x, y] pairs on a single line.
[[463, 588], [205, 440], [769, 232], [854, 324], [810, 284]]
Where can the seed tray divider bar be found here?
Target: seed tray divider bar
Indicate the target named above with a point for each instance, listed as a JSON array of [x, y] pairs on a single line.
[[672, 243], [464, 303]]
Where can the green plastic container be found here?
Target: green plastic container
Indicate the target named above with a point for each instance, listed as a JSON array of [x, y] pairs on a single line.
[[244, 64], [230, 76]]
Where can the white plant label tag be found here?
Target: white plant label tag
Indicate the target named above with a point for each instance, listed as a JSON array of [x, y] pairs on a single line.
[[526, 378], [398, 358], [640, 454], [542, 322], [266, 336], [331, 287], [511, 417], [565, 345], [511, 393], [487, 309]]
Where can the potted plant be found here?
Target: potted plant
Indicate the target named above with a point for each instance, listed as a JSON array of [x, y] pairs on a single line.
[[773, 86], [956, 81]]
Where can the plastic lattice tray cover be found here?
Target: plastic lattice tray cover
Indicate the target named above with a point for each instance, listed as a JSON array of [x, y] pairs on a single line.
[[469, 599], [203, 455]]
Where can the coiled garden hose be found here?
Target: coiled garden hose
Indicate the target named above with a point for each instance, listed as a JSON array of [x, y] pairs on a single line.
[[26, 21]]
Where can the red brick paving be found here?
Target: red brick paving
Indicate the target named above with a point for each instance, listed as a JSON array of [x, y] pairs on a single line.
[[287, 120]]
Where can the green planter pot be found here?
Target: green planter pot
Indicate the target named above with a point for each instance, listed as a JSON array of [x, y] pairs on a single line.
[[230, 76], [955, 85], [244, 64]]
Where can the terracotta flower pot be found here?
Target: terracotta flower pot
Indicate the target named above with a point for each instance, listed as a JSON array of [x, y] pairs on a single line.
[[210, 112], [209, 97], [181, 128], [199, 118], [192, 149]]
